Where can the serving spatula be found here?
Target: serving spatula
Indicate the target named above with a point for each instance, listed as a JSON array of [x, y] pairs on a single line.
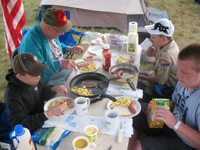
[[93, 84]]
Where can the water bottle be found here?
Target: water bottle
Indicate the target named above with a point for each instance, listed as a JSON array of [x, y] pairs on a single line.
[[21, 138], [132, 42]]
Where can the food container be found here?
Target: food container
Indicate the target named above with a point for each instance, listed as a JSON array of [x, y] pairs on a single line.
[[153, 123], [91, 132], [130, 71]]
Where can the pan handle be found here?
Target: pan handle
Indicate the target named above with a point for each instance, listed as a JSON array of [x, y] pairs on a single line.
[[104, 95], [130, 83]]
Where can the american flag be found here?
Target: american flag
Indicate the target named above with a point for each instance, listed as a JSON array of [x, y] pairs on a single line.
[[14, 19]]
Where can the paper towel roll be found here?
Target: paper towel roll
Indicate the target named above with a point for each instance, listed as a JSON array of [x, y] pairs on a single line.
[[132, 26]]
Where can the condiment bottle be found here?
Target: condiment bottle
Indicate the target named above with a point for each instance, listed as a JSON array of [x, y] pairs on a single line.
[[106, 60], [132, 42], [22, 138], [106, 47]]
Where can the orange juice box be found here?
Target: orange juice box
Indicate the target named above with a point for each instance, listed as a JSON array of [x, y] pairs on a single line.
[[153, 123]]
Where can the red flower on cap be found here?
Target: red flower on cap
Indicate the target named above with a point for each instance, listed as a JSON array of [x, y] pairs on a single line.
[[61, 18]]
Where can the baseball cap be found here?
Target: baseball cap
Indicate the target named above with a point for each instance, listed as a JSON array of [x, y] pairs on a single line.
[[161, 27], [57, 18], [27, 63]]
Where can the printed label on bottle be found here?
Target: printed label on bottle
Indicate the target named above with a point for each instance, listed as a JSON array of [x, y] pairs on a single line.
[[131, 47]]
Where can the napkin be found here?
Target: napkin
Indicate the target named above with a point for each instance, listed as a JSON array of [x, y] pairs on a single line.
[[77, 123], [117, 90]]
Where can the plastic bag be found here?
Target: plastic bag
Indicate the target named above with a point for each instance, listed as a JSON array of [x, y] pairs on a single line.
[[115, 39], [49, 137], [89, 36]]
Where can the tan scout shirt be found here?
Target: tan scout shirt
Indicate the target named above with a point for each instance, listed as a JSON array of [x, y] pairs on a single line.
[[165, 64]]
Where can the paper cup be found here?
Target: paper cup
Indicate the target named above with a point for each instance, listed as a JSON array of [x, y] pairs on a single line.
[[91, 132], [146, 44]]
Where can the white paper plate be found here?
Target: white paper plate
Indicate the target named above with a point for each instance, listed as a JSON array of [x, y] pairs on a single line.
[[79, 60], [123, 110], [47, 104], [95, 49], [125, 56], [97, 67], [96, 41]]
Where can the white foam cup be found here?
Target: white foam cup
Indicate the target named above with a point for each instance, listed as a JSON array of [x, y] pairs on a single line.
[[146, 44]]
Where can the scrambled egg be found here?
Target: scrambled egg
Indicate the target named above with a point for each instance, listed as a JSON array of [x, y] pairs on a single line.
[[122, 59], [90, 131], [90, 67], [82, 91], [56, 102], [121, 101]]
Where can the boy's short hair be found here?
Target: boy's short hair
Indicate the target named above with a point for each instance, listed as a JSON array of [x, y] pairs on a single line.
[[191, 52]]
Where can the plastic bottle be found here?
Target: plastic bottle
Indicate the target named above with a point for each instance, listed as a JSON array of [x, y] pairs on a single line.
[[106, 47], [22, 138], [106, 60], [132, 42]]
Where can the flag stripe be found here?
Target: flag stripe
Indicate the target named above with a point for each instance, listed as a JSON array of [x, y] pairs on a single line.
[[12, 40], [14, 20]]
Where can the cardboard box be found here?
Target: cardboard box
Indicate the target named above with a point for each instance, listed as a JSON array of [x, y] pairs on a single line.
[[153, 123]]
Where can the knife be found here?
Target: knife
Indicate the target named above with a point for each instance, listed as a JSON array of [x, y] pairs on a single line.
[[119, 137]]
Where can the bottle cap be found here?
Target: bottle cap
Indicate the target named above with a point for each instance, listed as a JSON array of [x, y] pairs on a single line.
[[19, 130], [106, 46]]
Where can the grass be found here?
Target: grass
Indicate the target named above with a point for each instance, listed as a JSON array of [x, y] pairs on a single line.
[[185, 15]]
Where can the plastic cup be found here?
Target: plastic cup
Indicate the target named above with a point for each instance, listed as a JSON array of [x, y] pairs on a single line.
[[91, 132], [146, 44]]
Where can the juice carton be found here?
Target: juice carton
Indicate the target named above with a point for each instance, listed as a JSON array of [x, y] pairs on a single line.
[[153, 123]]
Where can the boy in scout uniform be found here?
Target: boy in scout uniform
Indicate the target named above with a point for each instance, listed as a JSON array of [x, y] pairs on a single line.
[[165, 51]]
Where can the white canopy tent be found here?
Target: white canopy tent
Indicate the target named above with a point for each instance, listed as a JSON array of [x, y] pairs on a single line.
[[103, 13]]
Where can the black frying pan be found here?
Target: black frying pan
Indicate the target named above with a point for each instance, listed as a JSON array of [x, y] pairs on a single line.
[[97, 92]]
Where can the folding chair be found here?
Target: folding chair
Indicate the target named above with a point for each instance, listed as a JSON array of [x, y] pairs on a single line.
[[14, 53], [5, 127], [142, 36], [164, 91]]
